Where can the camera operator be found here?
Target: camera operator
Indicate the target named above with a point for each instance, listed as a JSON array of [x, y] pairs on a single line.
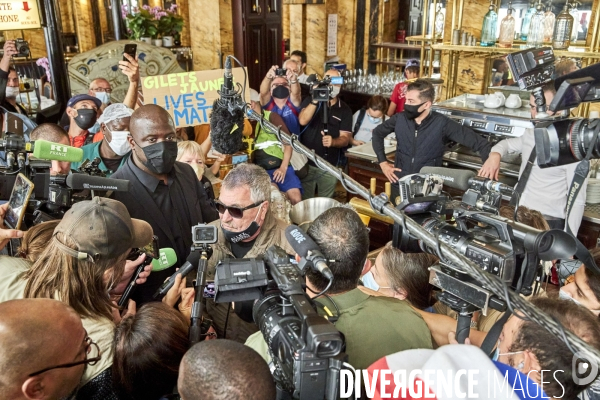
[[342, 236], [553, 182], [37, 336], [165, 193], [339, 126], [421, 135], [9, 80], [280, 93], [55, 134], [224, 370], [114, 149], [246, 229]]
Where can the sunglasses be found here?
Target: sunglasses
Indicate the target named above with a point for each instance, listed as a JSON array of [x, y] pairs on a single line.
[[235, 212]]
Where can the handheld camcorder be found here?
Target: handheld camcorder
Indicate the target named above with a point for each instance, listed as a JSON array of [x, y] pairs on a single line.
[[306, 349], [321, 89]]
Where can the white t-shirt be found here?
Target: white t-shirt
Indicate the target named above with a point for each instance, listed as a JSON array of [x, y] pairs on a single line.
[[365, 132]]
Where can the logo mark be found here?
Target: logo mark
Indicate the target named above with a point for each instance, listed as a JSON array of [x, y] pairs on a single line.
[[584, 370]]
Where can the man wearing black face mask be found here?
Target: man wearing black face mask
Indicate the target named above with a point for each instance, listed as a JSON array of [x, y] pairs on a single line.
[[281, 94], [165, 193], [83, 113], [421, 134]]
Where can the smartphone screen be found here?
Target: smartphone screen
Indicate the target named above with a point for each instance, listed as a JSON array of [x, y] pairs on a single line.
[[209, 290], [17, 204]]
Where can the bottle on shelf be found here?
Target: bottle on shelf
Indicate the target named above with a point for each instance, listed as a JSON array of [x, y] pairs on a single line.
[[549, 19], [527, 21], [488, 30], [507, 28], [561, 38], [535, 38], [575, 14]]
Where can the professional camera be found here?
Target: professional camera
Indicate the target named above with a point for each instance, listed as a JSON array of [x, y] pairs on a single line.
[[22, 47], [321, 89], [306, 349], [505, 248], [280, 72]]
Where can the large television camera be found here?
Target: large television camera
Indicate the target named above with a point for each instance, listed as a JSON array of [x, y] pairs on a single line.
[[306, 349], [503, 247], [320, 89]]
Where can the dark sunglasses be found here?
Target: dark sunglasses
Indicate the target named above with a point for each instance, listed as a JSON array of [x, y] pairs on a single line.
[[235, 212]]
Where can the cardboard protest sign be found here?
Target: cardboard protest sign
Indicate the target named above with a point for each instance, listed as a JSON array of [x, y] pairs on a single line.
[[188, 96]]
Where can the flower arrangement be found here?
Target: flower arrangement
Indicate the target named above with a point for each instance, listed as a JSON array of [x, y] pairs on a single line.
[[152, 21], [44, 63]]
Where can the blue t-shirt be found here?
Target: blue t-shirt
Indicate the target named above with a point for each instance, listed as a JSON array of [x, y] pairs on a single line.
[[289, 113]]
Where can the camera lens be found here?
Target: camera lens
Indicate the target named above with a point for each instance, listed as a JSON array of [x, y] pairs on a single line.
[[565, 142]]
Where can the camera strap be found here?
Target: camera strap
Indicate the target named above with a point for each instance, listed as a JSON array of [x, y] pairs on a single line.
[[520, 187], [489, 343]]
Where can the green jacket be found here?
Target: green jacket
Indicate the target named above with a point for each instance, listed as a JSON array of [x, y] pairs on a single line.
[[91, 151], [266, 141], [272, 233], [374, 327]]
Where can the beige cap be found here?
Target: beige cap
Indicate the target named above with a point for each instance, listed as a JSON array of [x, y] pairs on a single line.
[[102, 227]]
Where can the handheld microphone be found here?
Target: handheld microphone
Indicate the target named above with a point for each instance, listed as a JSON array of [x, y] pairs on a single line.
[[85, 181], [306, 248], [54, 151], [166, 259], [191, 263], [454, 178]]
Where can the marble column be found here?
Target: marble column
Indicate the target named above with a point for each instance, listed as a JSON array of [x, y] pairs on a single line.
[[184, 12], [285, 22], [297, 27], [83, 22], [205, 33], [66, 15], [346, 33], [226, 28]]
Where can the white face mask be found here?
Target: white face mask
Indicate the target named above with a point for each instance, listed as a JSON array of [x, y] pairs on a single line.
[[369, 282], [12, 92], [103, 97], [119, 143], [335, 90]]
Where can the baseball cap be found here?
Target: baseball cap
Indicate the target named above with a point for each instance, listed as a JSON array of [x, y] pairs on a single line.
[[102, 227], [115, 111], [80, 97]]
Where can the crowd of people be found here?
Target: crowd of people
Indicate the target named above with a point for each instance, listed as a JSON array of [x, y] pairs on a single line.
[[62, 335]]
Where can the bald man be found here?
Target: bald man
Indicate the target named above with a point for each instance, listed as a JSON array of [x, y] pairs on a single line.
[[327, 145], [56, 134], [38, 335], [223, 370], [165, 193]]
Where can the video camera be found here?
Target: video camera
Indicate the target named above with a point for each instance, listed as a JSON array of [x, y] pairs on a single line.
[[306, 349], [321, 89], [503, 247]]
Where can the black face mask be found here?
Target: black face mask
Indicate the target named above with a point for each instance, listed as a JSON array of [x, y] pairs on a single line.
[[235, 237], [86, 118], [281, 92], [160, 157], [412, 111]]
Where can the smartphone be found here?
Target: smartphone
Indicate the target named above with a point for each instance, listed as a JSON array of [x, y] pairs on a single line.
[[209, 290], [17, 204], [130, 49], [151, 251]]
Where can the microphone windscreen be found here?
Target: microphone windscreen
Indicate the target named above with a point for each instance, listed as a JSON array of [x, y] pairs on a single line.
[[311, 78], [226, 128], [299, 240], [85, 181], [166, 259], [46, 150], [454, 178]]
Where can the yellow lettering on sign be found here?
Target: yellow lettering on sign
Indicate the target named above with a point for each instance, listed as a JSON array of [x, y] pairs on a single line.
[[163, 81], [193, 77], [150, 82], [214, 85], [193, 87], [182, 76], [172, 80]]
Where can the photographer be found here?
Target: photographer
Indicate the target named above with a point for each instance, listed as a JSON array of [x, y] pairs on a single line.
[[246, 229], [342, 236], [339, 135], [280, 93], [421, 135], [9, 80], [553, 182]]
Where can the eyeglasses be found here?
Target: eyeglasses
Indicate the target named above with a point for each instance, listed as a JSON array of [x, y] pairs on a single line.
[[90, 349], [235, 212], [102, 90]]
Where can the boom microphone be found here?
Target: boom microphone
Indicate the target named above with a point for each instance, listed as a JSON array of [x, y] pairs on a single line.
[[166, 259], [227, 118], [191, 263], [454, 178], [53, 151], [85, 181], [306, 248]]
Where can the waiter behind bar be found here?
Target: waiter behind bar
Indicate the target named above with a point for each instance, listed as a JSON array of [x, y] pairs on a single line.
[[422, 134]]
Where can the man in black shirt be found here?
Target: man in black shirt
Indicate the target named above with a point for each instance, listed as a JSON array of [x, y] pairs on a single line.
[[422, 134], [328, 146], [165, 193]]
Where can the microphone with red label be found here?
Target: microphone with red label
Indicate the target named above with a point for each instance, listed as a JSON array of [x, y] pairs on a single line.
[[306, 248]]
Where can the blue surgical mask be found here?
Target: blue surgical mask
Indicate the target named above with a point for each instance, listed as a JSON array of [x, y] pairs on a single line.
[[374, 120], [103, 97], [497, 354], [369, 282]]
